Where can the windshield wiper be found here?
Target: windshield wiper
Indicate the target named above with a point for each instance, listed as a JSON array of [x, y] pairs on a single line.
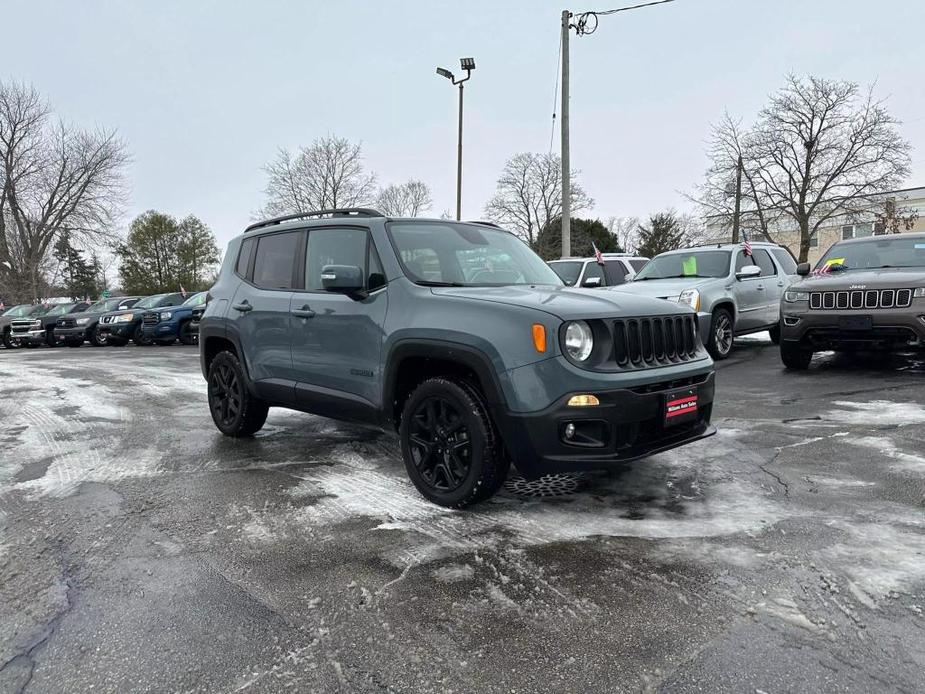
[[434, 283], [670, 277]]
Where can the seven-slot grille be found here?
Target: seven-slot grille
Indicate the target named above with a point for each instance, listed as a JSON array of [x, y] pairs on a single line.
[[653, 341], [151, 318], [860, 299]]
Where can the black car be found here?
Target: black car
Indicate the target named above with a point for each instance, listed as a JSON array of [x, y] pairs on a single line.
[[118, 327], [73, 329], [40, 327]]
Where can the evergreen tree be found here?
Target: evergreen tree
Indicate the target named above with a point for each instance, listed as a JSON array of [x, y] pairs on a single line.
[[663, 233], [583, 233]]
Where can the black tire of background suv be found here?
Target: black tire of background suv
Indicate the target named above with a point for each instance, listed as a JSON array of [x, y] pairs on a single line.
[[711, 341], [50, 338], [138, 337], [95, 338], [488, 470], [7, 342], [775, 334], [795, 357], [253, 413]]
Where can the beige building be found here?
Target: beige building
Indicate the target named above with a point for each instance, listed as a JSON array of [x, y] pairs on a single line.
[[786, 233]]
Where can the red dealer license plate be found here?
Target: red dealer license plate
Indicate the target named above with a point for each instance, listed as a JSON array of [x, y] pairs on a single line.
[[680, 406]]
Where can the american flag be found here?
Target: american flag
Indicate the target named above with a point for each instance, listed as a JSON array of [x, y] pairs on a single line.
[[598, 256], [746, 244], [2, 307], [824, 270], [182, 291]]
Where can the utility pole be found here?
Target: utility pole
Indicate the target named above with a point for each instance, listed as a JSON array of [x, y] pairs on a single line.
[[566, 167], [459, 158], [736, 215]]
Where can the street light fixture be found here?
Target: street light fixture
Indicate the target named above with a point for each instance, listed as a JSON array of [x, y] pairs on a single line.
[[467, 64]]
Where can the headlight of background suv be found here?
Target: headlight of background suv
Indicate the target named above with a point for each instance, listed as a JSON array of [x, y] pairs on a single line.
[[36, 324], [919, 293], [578, 340], [82, 321], [124, 318], [166, 315], [791, 297], [691, 297]]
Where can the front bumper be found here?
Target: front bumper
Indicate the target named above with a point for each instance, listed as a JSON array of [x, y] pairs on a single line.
[[160, 331], [77, 331], [630, 422], [29, 337], [840, 330], [122, 331]]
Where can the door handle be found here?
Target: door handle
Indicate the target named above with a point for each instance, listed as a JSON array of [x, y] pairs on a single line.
[[304, 312], [243, 307], [760, 287]]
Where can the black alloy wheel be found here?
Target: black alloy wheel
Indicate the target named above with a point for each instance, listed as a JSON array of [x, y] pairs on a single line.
[[187, 335], [451, 449], [99, 339], [234, 410], [722, 334]]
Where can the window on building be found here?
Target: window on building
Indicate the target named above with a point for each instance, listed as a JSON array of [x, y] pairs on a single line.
[[813, 240], [857, 231]]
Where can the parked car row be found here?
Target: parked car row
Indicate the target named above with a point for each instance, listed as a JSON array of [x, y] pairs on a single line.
[[158, 319]]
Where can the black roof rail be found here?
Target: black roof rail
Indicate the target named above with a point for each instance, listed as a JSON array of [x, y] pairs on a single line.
[[488, 224], [339, 212]]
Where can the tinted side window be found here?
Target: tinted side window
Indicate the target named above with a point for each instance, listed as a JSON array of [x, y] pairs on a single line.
[[376, 276], [244, 257], [275, 260], [742, 260], [764, 262], [593, 270], [785, 260], [615, 271], [333, 247]]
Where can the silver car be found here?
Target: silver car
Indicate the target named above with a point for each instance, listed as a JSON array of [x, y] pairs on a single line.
[[733, 293]]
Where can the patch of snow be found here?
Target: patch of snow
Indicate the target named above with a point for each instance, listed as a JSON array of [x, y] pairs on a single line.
[[453, 573], [877, 412], [763, 337], [905, 461]]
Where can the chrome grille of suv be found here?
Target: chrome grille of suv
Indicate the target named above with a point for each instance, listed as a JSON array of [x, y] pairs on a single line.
[[654, 341], [151, 317], [860, 299]]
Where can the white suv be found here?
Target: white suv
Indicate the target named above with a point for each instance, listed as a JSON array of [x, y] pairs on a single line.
[[587, 272]]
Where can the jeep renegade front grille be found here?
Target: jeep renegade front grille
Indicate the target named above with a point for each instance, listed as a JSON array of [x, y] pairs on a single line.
[[652, 341], [860, 299]]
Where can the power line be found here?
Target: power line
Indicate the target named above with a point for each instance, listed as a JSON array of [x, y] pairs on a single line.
[[555, 96], [586, 22]]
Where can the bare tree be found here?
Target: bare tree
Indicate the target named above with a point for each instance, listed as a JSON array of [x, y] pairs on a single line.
[[529, 194], [825, 151], [625, 229], [409, 199], [893, 219], [734, 168], [54, 179], [329, 174]]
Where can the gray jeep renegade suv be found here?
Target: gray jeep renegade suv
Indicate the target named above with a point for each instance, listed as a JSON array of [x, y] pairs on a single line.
[[454, 334]]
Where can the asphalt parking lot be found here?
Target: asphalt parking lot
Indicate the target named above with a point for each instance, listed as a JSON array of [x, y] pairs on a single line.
[[142, 551]]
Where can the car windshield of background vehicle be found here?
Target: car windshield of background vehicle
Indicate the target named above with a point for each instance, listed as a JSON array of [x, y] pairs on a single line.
[[875, 253], [196, 299], [150, 301], [568, 270], [467, 255], [638, 264], [59, 310], [18, 311], [691, 264]]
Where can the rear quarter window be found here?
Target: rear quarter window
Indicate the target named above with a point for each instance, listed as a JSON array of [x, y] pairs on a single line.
[[243, 264]]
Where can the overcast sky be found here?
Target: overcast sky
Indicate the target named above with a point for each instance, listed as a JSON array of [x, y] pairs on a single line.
[[204, 92]]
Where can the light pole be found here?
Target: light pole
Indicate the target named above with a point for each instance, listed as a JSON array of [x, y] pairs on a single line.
[[467, 64]]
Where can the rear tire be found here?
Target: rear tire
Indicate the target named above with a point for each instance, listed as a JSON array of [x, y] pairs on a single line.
[[140, 339], [234, 410], [450, 446], [7, 342], [50, 338], [722, 334], [795, 357]]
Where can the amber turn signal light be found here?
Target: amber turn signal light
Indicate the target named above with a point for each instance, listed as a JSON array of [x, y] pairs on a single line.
[[584, 400], [539, 337]]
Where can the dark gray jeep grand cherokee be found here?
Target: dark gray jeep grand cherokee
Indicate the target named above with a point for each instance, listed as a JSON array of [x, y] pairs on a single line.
[[865, 293], [454, 334]]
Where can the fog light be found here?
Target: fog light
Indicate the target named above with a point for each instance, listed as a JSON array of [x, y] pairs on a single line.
[[569, 431], [584, 400], [791, 320]]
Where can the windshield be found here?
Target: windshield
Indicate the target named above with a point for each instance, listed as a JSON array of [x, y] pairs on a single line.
[[59, 310], [568, 270], [876, 252], [196, 299], [149, 301], [21, 310], [638, 263], [689, 264], [467, 255], [107, 305]]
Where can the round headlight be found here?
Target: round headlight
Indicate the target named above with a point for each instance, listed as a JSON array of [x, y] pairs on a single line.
[[165, 315], [578, 340]]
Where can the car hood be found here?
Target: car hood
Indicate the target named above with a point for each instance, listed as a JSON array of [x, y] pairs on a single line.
[[564, 302], [883, 278], [664, 288]]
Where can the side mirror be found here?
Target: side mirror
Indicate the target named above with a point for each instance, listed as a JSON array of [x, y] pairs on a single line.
[[803, 269], [345, 279], [592, 282], [748, 272]]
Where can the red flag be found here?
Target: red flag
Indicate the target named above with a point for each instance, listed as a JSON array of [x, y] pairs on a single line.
[[598, 256], [746, 244]]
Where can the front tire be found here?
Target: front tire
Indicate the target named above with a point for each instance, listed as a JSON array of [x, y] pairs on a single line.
[[795, 357], [450, 446], [50, 338], [234, 410], [187, 336], [140, 339], [99, 339], [775, 334], [722, 334], [7, 340]]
